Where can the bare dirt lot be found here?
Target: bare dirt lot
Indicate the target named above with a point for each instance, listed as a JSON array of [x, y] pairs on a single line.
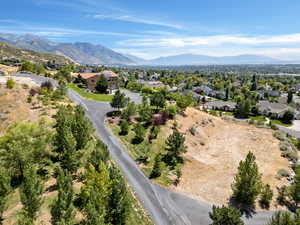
[[214, 151]]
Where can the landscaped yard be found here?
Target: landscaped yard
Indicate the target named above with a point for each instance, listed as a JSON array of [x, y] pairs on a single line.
[[145, 148], [90, 96], [258, 118]]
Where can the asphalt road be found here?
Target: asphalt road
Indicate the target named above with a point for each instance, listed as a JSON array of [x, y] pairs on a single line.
[[164, 206]]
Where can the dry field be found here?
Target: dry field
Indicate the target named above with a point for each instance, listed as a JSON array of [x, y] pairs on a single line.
[[214, 153]]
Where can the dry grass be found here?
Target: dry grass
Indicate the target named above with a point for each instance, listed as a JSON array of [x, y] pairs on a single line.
[[214, 152]]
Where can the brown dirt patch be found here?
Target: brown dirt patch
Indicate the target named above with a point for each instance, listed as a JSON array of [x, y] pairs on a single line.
[[216, 149]]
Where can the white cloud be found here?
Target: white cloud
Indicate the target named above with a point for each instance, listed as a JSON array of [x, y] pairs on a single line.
[[133, 19]]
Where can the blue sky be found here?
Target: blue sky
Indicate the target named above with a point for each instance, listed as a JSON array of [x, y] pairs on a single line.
[[160, 28]]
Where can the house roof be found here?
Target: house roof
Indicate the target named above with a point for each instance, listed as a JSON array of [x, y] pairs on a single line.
[[220, 104], [106, 74], [273, 107]]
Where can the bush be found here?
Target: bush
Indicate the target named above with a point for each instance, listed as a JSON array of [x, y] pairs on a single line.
[[285, 146], [266, 196], [283, 173], [280, 135], [153, 133], [10, 83], [124, 127], [172, 111], [291, 155]]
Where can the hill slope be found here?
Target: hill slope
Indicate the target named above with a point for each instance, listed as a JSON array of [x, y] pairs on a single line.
[[7, 51], [83, 53]]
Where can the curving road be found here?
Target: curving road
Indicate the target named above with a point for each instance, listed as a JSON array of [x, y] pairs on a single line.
[[164, 206]]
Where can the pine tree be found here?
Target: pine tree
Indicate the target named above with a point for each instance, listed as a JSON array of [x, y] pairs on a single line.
[[225, 216], [175, 148], [31, 192], [145, 112], [4, 191], [119, 100], [139, 133], [266, 196], [282, 218], [247, 182], [100, 154], [82, 128], [294, 189], [157, 167], [129, 111], [124, 127], [290, 97], [62, 209], [118, 206], [102, 85], [158, 99]]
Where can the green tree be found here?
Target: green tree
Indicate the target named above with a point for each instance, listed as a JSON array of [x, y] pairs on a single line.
[[282, 218], [4, 191], [254, 84], [82, 128], [119, 205], [119, 100], [10, 83], [62, 208], [102, 85], [27, 66], [225, 216], [124, 127], [288, 117], [145, 112], [247, 182], [242, 109], [158, 99], [175, 148], [266, 196], [31, 192], [183, 101], [139, 133], [294, 189], [157, 167], [100, 154], [129, 111], [290, 97], [25, 144]]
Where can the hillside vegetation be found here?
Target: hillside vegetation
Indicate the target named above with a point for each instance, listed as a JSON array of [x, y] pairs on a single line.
[[7, 51]]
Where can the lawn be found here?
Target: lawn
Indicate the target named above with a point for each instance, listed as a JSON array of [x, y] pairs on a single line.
[[90, 96], [258, 118], [145, 148], [278, 122]]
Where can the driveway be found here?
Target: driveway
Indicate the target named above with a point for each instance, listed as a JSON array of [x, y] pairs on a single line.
[[135, 97], [164, 206]]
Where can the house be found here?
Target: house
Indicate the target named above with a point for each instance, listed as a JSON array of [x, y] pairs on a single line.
[[196, 97], [296, 88], [270, 93], [220, 105], [203, 89], [91, 79], [273, 109]]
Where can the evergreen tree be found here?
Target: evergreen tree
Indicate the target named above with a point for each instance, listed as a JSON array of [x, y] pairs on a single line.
[[294, 189], [288, 117], [62, 209], [266, 196], [158, 99], [129, 111], [124, 127], [31, 192], [139, 133], [102, 85], [157, 167], [183, 101], [247, 182], [119, 100], [290, 97], [254, 84], [100, 154], [4, 191], [145, 112], [175, 148], [82, 128], [118, 206], [93, 211], [225, 216], [227, 94], [282, 218]]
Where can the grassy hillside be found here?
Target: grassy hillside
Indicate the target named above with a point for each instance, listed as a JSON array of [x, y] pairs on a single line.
[[7, 51]]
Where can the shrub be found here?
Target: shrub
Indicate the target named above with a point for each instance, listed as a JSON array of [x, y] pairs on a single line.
[[47, 84], [124, 127], [266, 196], [285, 146], [153, 133], [291, 155], [10, 83], [283, 173], [279, 135], [172, 111], [33, 92]]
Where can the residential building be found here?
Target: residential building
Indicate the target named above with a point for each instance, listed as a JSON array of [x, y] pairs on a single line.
[[91, 79], [273, 109], [220, 105]]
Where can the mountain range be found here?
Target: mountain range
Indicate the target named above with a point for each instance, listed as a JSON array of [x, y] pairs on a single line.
[[87, 53]]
